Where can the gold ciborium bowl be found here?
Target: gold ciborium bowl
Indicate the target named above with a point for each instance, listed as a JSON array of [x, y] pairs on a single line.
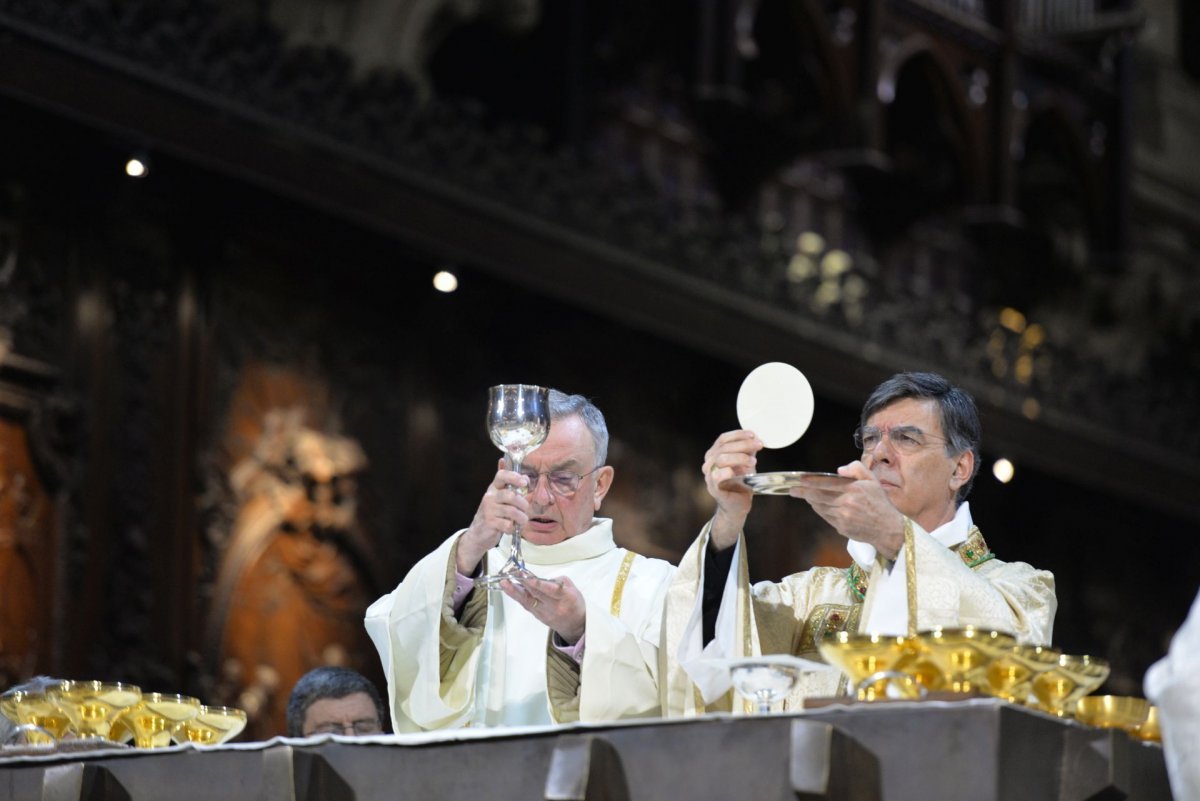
[[34, 709], [92, 706], [961, 656], [1058, 689], [1112, 711], [212, 725], [874, 663], [1010, 675], [154, 718], [1149, 730]]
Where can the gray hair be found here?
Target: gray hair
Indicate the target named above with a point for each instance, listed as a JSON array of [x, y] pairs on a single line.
[[959, 416], [329, 681], [564, 405]]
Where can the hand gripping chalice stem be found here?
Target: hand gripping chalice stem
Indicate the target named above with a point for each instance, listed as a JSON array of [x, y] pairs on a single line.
[[518, 420]]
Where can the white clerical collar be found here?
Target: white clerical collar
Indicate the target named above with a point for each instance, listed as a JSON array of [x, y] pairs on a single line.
[[596, 540], [950, 533], [957, 530]]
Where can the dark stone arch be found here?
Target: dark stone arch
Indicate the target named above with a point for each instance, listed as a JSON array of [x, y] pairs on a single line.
[[1057, 188], [782, 94], [1057, 200], [927, 132]]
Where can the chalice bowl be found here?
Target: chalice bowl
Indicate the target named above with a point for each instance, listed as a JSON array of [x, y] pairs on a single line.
[[39, 720], [1058, 689], [92, 706], [155, 718], [121, 730], [1150, 730], [962, 655], [763, 681], [874, 663], [1010, 675], [1113, 711], [518, 421], [212, 725]]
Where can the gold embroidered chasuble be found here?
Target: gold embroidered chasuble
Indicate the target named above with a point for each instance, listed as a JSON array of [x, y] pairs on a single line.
[[955, 586], [494, 664]]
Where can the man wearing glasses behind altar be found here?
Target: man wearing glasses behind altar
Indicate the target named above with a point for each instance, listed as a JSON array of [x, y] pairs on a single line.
[[578, 643], [903, 511]]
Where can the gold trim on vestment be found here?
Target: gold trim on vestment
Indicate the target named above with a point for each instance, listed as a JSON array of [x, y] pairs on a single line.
[[747, 622], [910, 569], [619, 586]]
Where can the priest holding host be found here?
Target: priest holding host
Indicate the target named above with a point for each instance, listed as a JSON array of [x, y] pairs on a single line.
[[918, 560], [579, 642]]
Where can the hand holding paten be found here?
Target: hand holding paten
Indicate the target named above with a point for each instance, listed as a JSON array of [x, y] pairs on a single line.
[[860, 510]]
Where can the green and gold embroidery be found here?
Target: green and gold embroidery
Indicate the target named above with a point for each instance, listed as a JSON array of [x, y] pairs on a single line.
[[973, 551], [826, 620]]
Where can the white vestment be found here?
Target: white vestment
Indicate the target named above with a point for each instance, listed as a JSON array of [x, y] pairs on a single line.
[[494, 664], [958, 582], [1173, 685]]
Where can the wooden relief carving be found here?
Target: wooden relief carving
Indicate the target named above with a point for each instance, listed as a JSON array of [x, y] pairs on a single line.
[[292, 585], [27, 528]]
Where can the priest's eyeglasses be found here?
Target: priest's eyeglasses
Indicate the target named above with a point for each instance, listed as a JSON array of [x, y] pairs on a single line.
[[905, 439], [563, 483]]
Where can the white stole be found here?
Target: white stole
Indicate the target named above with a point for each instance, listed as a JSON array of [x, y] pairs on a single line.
[[887, 610], [512, 680]]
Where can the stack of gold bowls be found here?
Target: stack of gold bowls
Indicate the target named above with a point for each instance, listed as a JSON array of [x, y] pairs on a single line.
[[966, 661], [115, 712], [1058, 688], [875, 664]]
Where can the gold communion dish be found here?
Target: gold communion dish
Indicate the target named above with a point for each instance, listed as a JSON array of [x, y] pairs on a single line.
[[1058, 689], [1010, 675], [962, 656], [91, 706], [874, 663], [1150, 729], [121, 731], [1112, 711], [212, 725], [157, 715], [35, 709]]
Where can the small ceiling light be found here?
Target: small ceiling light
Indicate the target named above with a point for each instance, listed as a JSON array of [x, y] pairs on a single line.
[[1012, 319], [136, 168], [835, 262], [810, 243], [1003, 470], [445, 281]]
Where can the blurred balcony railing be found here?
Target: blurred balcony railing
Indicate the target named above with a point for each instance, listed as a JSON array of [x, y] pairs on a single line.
[[1047, 16]]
